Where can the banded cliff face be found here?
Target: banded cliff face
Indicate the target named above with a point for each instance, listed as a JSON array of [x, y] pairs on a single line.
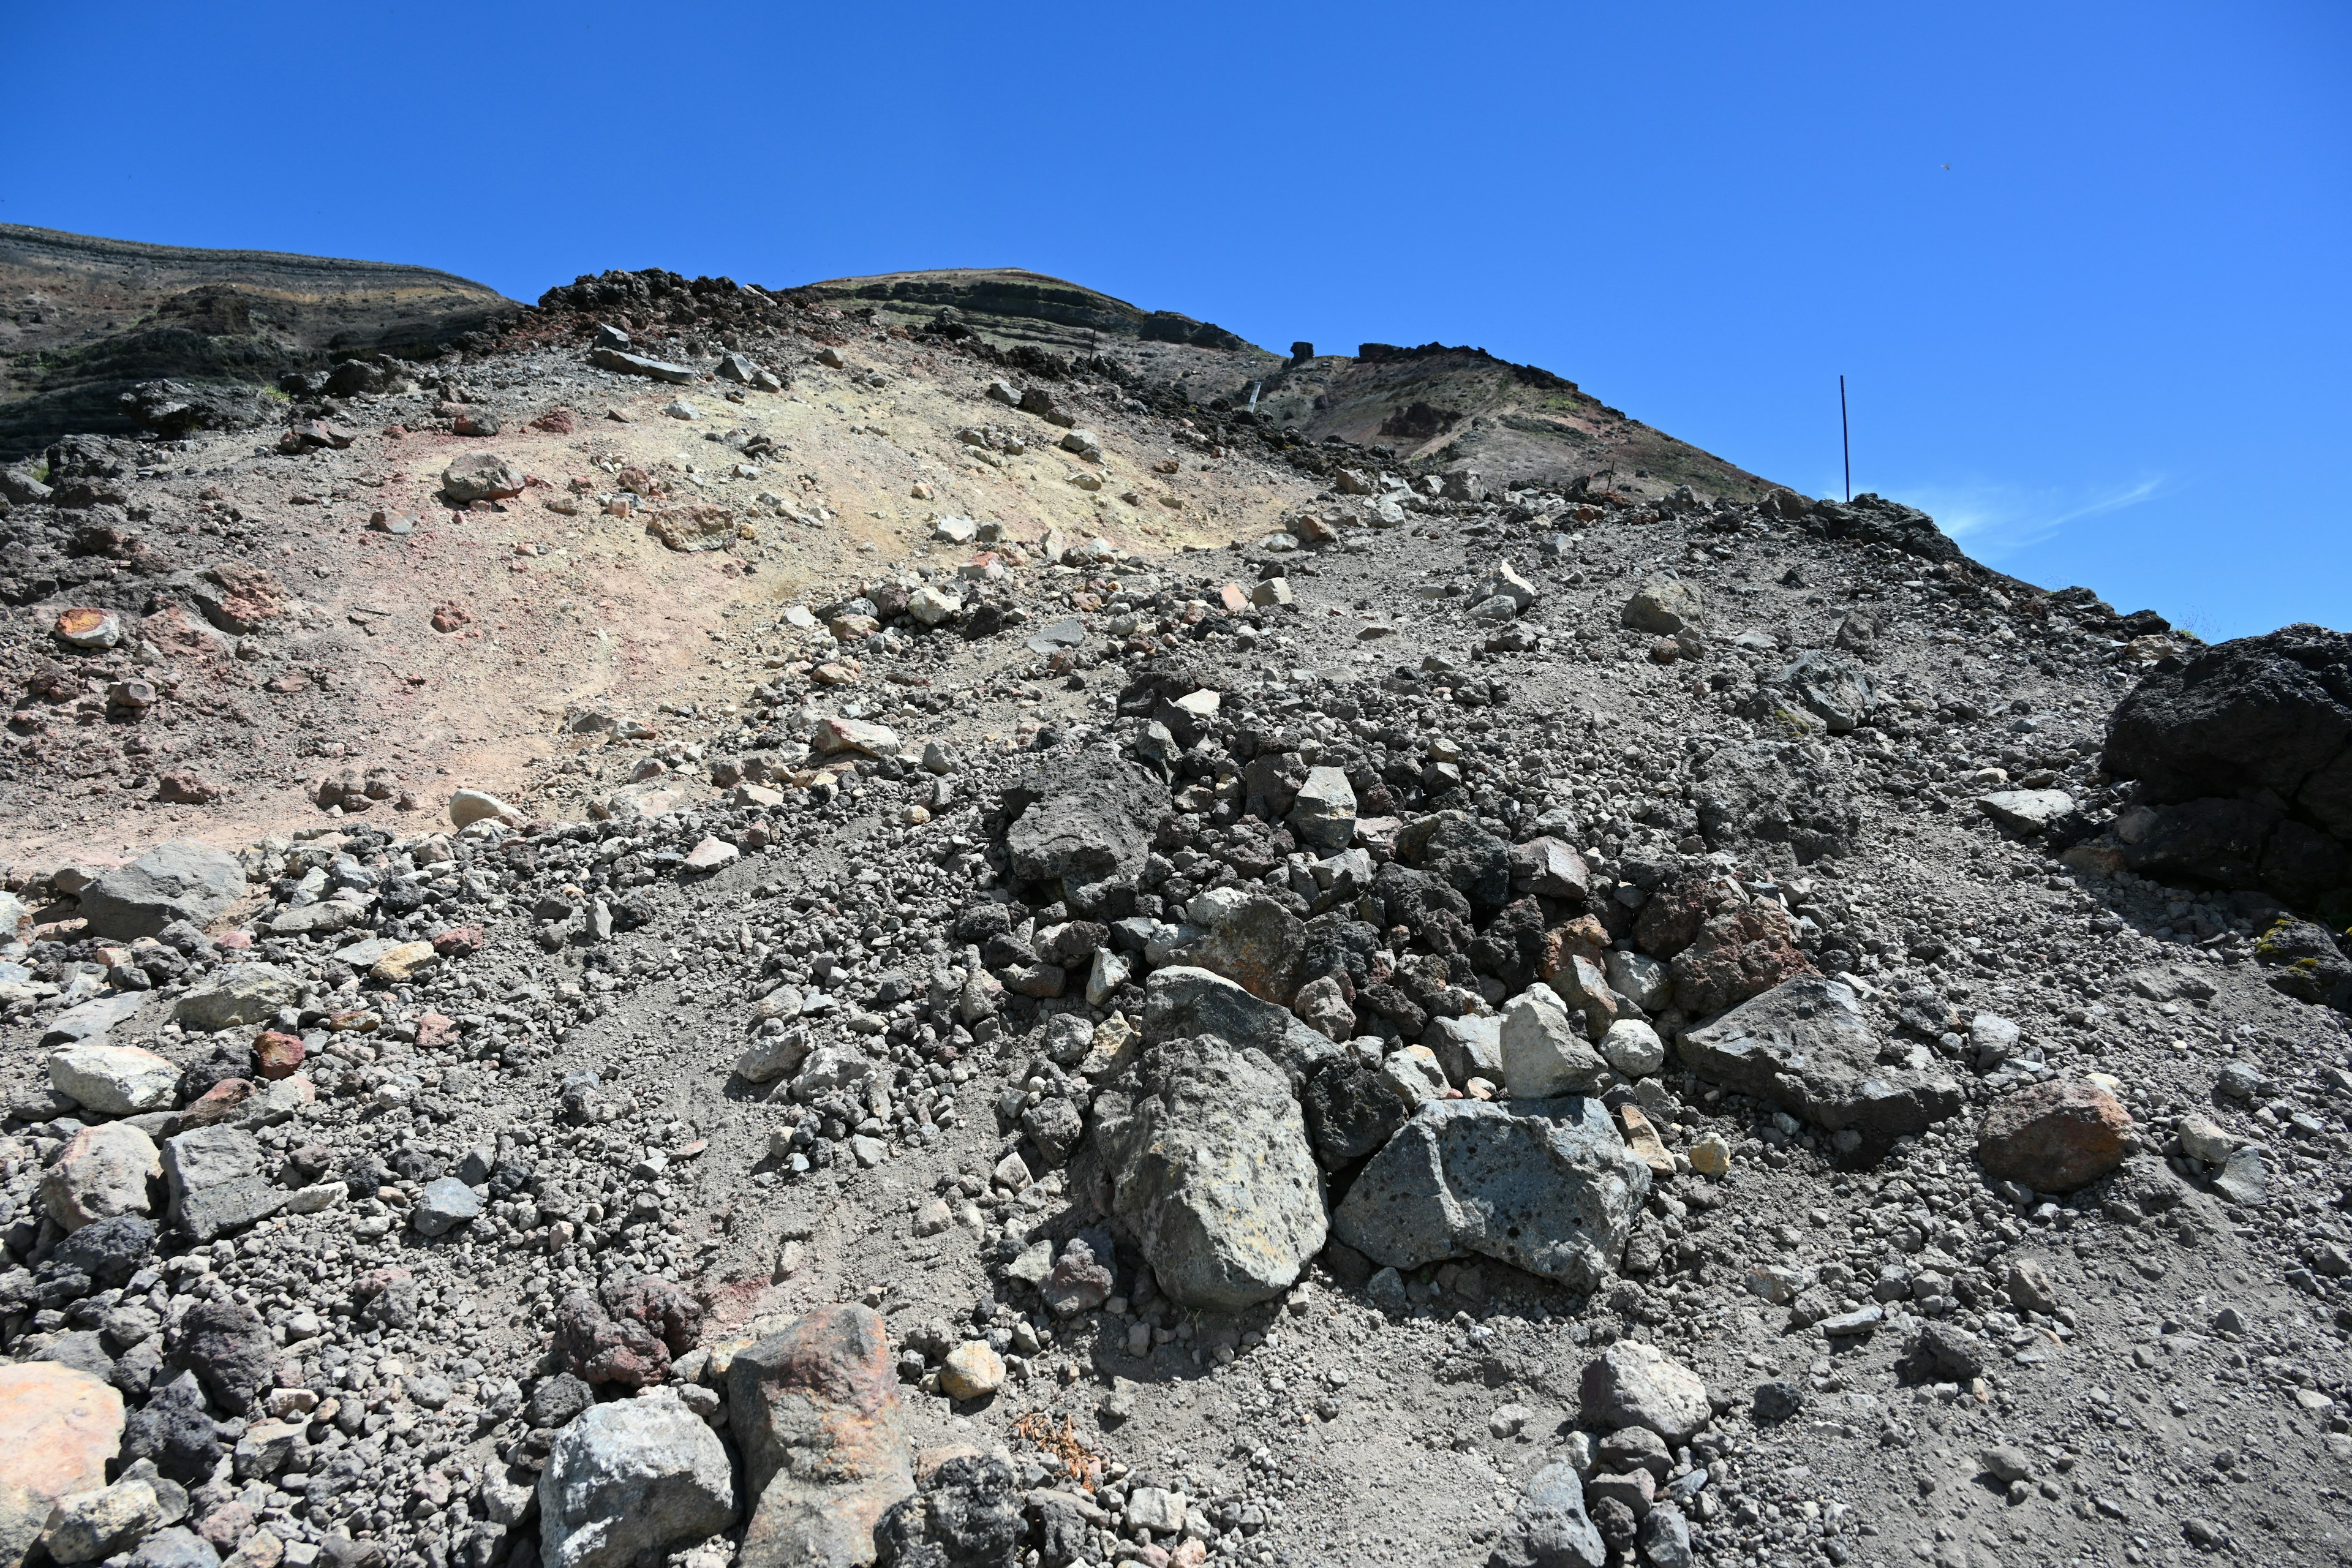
[[86, 320]]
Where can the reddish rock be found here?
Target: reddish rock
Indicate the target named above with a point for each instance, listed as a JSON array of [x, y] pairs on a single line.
[[281, 1055], [816, 1410], [186, 789], [2054, 1137], [218, 1103], [1739, 953], [1671, 920], [1583, 937], [449, 618], [59, 1427], [458, 941], [433, 1030], [554, 422], [595, 1347]]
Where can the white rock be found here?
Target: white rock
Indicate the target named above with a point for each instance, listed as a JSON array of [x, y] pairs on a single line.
[[115, 1081], [471, 805], [1545, 1052]]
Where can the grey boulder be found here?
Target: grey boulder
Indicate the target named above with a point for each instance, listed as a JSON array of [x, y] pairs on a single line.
[[1547, 1186], [1211, 1170], [1807, 1046], [1086, 824], [635, 1478], [239, 994], [1835, 689], [175, 881], [1549, 1529], [1182, 1000]]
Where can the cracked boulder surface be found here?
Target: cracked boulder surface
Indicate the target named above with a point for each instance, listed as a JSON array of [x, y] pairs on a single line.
[[850, 975]]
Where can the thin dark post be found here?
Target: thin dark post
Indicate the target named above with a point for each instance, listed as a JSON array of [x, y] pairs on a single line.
[[1845, 438]]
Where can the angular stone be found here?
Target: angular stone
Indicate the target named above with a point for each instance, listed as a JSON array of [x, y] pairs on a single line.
[[481, 476], [1632, 1384], [1210, 1167], [216, 1181], [1663, 606], [1467, 1048], [237, 994], [833, 736], [115, 1081], [404, 961], [1323, 812], [2025, 811], [1181, 1000], [632, 1480], [175, 881], [2054, 1137], [443, 1206], [1545, 1052], [1249, 939], [1551, 1529], [815, 1408], [1807, 1046], [102, 1172], [1633, 1049], [1831, 688], [1550, 867], [90, 1020], [1738, 953], [1544, 1185]]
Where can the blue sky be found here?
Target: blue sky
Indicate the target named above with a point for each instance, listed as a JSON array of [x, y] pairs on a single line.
[[2084, 266]]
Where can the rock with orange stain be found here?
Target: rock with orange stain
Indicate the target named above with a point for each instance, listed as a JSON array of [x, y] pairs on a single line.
[[815, 1409], [59, 1429]]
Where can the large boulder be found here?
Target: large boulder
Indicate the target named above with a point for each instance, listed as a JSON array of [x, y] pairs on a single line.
[[2246, 750], [102, 1171], [1184, 1000], [1870, 518], [59, 1428], [633, 1479], [1790, 795], [1545, 1185], [815, 1409], [1086, 824], [1807, 1046], [1250, 940], [175, 881], [115, 1081], [1211, 1169]]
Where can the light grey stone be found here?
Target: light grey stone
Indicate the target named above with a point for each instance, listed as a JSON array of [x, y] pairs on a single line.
[[1324, 812], [91, 1019], [1210, 1166], [238, 994], [443, 1206], [635, 1478], [115, 1081], [1544, 1185], [1182, 1000], [1545, 1052]]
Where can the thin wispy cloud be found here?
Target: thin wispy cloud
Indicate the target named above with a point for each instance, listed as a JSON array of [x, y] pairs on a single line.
[[1998, 520]]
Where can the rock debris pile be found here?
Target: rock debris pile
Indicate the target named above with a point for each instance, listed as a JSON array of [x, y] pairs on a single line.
[[1544, 1025]]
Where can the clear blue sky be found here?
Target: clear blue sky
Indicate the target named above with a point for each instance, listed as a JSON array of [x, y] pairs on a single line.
[[2084, 265]]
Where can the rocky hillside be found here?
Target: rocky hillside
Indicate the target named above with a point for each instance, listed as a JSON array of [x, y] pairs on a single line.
[[89, 330], [776, 926]]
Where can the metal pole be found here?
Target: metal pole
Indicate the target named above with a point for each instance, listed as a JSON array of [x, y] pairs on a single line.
[[1845, 438]]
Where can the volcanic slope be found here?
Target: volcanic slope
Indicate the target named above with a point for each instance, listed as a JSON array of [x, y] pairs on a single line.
[[1326, 1021]]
